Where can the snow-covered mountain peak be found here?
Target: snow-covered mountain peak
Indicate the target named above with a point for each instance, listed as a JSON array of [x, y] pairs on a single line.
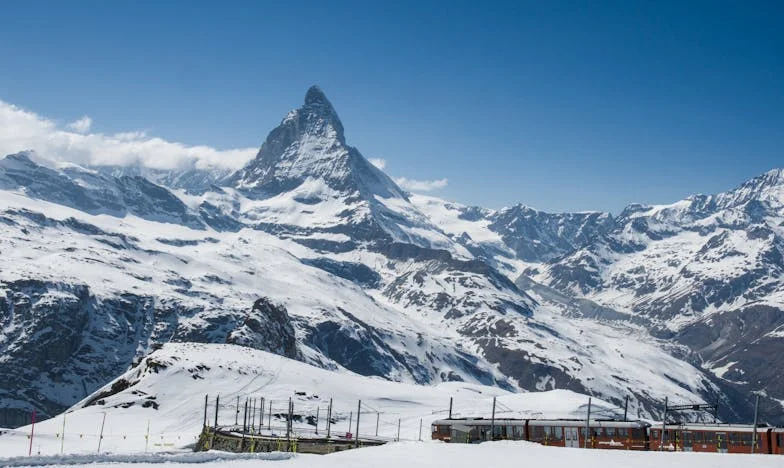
[[766, 188], [309, 144]]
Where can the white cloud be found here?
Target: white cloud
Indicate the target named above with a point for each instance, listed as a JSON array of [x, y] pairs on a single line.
[[378, 162], [24, 130], [82, 125], [421, 185]]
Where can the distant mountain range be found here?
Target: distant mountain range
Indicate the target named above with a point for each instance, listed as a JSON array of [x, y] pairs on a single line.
[[311, 252]]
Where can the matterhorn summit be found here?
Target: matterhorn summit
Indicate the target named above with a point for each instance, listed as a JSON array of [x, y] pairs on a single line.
[[309, 144]]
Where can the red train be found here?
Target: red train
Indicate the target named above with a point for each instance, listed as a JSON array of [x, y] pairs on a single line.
[[614, 435], [721, 438]]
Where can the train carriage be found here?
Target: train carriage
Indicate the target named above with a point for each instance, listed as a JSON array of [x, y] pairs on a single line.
[[613, 435], [777, 441], [718, 438], [623, 435]]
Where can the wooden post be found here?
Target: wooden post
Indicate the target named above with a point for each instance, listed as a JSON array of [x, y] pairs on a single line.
[[492, 423], [62, 439], [716, 410], [261, 416], [626, 409], [100, 437], [217, 405], [754, 436], [318, 408], [329, 418], [450, 408], [245, 418], [205, 410], [288, 423], [664, 424], [32, 434], [587, 425], [359, 412], [420, 429], [398, 430], [378, 418]]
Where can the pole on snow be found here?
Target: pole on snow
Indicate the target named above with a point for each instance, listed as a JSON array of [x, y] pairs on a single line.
[[100, 437], [754, 436], [32, 434], [626, 409], [398, 430], [205, 410], [288, 422], [492, 423], [359, 412], [587, 425], [269, 417], [237, 414], [378, 418], [329, 418], [245, 417], [217, 405], [62, 439], [450, 408], [318, 409], [261, 415], [716, 410], [664, 423], [147, 435], [420, 429]]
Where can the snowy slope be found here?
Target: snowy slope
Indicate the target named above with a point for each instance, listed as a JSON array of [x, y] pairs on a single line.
[[167, 389]]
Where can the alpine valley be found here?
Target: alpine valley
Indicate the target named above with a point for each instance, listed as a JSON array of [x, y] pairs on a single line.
[[311, 252]]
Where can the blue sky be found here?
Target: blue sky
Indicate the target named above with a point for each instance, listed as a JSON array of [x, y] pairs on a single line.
[[559, 105]]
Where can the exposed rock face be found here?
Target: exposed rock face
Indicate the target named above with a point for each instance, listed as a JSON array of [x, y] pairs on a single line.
[[268, 328]]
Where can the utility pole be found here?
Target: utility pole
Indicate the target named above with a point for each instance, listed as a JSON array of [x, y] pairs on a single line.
[[587, 425], [378, 418], [664, 424], [245, 418], [754, 436], [261, 416], [450, 408], [626, 409], [205, 410], [32, 434], [716, 411], [318, 408], [329, 418], [100, 437], [359, 412], [492, 424], [62, 439], [288, 422], [217, 405]]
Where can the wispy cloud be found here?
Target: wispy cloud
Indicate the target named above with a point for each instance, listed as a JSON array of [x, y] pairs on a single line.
[[378, 162], [82, 125], [421, 185], [21, 130]]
